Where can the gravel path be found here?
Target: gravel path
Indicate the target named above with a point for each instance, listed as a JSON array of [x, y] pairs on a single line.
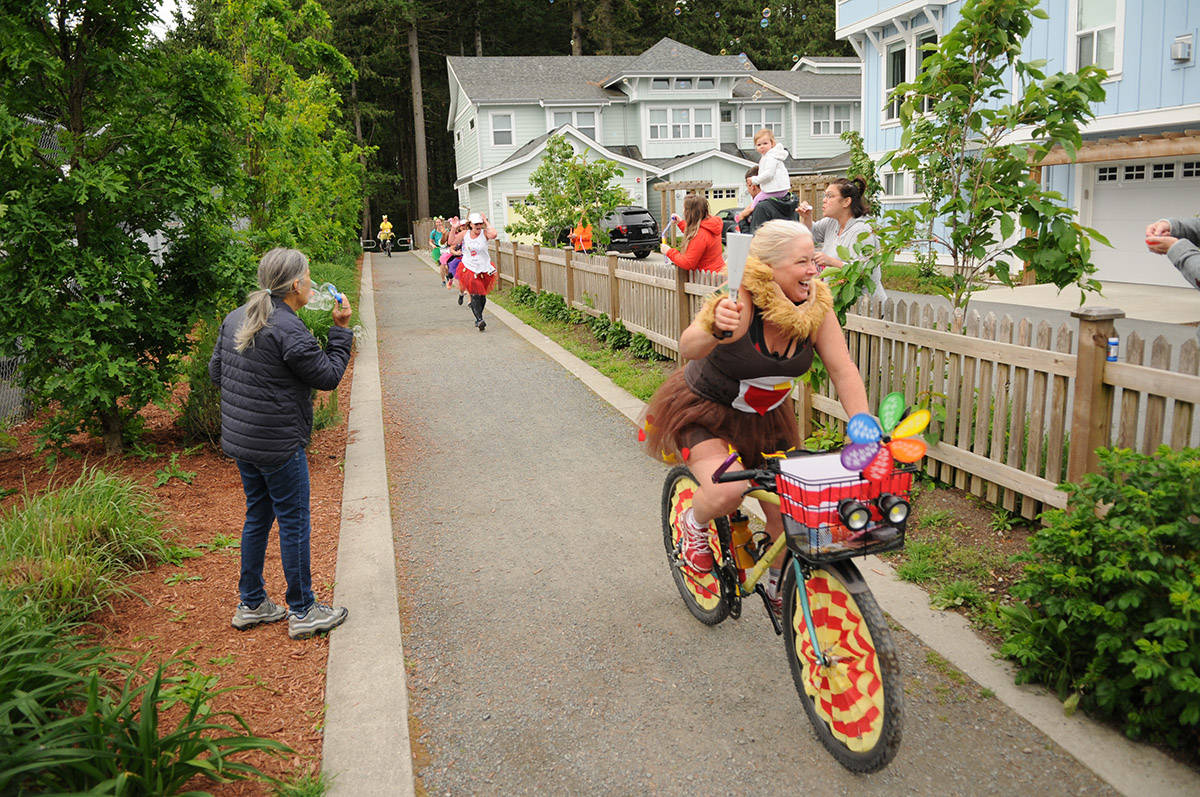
[[548, 650]]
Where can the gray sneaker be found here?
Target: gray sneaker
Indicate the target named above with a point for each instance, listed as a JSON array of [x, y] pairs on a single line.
[[319, 617], [266, 612]]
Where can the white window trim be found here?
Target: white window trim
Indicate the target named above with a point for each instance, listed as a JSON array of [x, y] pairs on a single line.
[[512, 130], [1118, 43], [574, 119], [912, 60], [713, 122], [832, 119], [741, 121]]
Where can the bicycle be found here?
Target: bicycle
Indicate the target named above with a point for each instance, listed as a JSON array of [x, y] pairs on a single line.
[[848, 681], [385, 242]]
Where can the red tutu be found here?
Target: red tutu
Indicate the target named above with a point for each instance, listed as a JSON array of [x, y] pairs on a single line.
[[475, 284]]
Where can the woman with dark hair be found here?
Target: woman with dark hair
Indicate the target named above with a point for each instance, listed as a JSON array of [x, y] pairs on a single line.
[[736, 389], [701, 238], [844, 223], [267, 365]]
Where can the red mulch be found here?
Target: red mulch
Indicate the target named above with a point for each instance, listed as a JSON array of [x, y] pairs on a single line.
[[284, 680]]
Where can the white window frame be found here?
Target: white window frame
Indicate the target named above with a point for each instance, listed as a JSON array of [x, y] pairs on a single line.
[[748, 128], [898, 182], [655, 80], [824, 114], [891, 108], [574, 120], [672, 124], [712, 83], [919, 56], [511, 129], [1074, 34], [726, 112], [1192, 164]]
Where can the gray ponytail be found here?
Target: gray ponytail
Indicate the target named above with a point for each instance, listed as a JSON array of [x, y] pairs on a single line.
[[277, 270]]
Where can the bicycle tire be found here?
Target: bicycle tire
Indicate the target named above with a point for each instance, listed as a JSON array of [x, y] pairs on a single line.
[[705, 595], [863, 734]]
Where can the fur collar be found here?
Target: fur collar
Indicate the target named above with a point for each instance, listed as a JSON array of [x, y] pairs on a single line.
[[799, 322]]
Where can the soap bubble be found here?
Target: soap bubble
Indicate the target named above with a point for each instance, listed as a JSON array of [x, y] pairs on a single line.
[[674, 52], [803, 17], [766, 13], [361, 335], [678, 10], [723, 51], [757, 95], [795, 58], [717, 14], [764, 22]]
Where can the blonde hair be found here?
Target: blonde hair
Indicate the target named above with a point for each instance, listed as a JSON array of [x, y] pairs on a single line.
[[695, 210], [765, 132], [277, 270], [771, 240]]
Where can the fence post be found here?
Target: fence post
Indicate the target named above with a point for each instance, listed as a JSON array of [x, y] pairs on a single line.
[[537, 267], [804, 411], [614, 290], [1091, 412], [683, 305], [570, 278]]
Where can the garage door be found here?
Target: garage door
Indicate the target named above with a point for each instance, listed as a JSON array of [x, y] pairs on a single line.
[[1126, 197], [721, 198]]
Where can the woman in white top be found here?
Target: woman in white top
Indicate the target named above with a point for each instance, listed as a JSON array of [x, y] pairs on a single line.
[[844, 224], [476, 275]]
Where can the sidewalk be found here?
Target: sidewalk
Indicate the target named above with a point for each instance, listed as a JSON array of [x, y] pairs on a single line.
[[366, 733]]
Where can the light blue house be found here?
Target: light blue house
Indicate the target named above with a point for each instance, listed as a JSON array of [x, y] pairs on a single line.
[[672, 113], [1141, 159]]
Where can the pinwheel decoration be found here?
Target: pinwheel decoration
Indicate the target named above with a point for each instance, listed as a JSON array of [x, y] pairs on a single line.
[[876, 445]]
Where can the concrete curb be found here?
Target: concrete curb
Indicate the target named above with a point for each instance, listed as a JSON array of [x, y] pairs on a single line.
[[366, 749], [1129, 767]]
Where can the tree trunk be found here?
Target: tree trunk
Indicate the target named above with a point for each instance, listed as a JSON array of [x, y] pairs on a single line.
[[110, 424], [414, 68], [576, 28], [362, 159]]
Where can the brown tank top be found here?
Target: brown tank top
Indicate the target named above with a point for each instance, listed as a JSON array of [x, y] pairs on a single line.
[[739, 375]]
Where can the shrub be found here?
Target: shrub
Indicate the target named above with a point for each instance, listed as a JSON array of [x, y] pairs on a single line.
[[1112, 614], [68, 729], [201, 416], [617, 337], [642, 347], [66, 548], [551, 306], [325, 412], [599, 325], [575, 316], [523, 294]]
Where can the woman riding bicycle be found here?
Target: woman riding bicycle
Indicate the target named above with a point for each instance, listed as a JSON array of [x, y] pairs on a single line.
[[736, 390]]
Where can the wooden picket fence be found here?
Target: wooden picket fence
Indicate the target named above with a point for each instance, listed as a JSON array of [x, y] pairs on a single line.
[[1024, 407]]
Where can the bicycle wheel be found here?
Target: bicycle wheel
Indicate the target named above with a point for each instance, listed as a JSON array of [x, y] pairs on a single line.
[[855, 703], [704, 593]]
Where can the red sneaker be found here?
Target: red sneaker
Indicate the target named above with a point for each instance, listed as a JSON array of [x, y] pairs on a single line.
[[693, 543]]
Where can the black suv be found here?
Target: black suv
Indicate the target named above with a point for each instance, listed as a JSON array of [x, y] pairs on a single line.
[[727, 221], [631, 230]]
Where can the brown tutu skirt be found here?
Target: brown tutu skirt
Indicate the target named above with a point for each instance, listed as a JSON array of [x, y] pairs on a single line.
[[475, 284], [676, 418]]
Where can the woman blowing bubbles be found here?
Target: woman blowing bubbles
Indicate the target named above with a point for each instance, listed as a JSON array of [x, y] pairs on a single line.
[[267, 364], [736, 390]]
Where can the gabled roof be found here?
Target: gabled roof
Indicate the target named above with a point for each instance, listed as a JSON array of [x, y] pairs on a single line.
[[530, 149], [819, 63], [530, 78], [667, 165], [747, 89], [809, 85], [669, 57]]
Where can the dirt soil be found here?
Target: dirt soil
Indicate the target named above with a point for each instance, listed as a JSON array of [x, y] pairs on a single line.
[[185, 611]]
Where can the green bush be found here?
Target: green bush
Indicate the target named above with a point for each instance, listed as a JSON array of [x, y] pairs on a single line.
[[551, 306], [68, 728], [66, 549], [642, 347], [599, 325], [523, 294], [1112, 614], [617, 337], [575, 316], [201, 416]]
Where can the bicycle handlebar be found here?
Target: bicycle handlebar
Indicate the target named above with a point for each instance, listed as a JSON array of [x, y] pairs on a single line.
[[738, 476]]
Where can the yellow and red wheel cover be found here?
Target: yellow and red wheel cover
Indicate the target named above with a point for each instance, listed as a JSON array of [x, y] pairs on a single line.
[[848, 692], [703, 586]]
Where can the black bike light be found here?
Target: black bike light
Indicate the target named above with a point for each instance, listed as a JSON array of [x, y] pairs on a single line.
[[854, 514], [894, 508]]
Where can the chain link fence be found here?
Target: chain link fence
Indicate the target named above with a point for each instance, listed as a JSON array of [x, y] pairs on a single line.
[[12, 399]]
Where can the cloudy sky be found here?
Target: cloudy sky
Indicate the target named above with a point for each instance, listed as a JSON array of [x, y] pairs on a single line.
[[166, 13]]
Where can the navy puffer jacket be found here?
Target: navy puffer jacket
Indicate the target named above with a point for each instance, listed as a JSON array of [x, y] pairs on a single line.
[[266, 391]]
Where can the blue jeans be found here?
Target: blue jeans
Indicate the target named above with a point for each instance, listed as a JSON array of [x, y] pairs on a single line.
[[279, 493]]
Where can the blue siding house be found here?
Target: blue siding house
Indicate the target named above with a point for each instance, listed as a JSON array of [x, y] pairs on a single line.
[[1141, 157]]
